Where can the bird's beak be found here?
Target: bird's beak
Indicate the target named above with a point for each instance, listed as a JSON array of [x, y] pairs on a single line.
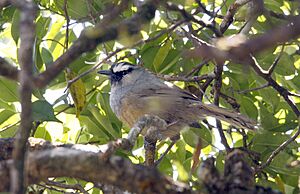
[[105, 72]]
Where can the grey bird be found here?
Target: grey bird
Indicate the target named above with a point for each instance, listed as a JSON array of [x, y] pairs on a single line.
[[135, 92]]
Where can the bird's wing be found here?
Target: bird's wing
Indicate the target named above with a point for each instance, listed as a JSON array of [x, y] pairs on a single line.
[[168, 102]]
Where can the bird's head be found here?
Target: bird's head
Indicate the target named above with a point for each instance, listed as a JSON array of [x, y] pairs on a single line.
[[121, 72]]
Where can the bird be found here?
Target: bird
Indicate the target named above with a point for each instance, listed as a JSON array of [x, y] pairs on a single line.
[[136, 92]]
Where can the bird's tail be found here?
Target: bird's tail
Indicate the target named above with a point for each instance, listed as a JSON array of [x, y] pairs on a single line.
[[231, 117]]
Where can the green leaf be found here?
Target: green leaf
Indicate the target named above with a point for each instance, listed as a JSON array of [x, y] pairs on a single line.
[[270, 141], [9, 90], [180, 152], [9, 132], [248, 108], [280, 162], [182, 173], [15, 32], [161, 55], [5, 114], [93, 128], [42, 26], [77, 90], [7, 105], [76, 8], [38, 60], [104, 121], [204, 134], [148, 56], [286, 65], [166, 166], [270, 96], [290, 180], [190, 138], [41, 132], [268, 121], [43, 111], [267, 184], [46, 56]]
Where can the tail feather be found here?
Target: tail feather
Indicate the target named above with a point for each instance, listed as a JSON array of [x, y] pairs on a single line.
[[231, 117]]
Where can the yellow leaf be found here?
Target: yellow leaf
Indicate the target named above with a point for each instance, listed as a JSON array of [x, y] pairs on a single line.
[[77, 90], [280, 184]]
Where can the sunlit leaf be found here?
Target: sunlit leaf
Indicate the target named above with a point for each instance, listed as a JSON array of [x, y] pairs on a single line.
[[9, 90], [77, 90]]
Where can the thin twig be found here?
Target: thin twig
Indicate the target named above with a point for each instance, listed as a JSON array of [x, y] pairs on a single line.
[[197, 68], [203, 9], [90, 11], [254, 89], [68, 23], [190, 17], [217, 89], [281, 90], [279, 149], [53, 40], [165, 153], [67, 186], [272, 67], [203, 88], [187, 79]]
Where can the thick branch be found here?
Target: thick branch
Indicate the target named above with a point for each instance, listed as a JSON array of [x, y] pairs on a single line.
[[89, 166], [27, 36], [88, 163]]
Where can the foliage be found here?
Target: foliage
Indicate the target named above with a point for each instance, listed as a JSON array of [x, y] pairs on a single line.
[[163, 52]]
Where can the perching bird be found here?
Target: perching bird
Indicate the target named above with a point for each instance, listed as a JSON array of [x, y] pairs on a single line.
[[136, 92]]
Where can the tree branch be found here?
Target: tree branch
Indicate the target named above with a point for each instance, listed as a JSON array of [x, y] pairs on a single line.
[[281, 90], [87, 163], [217, 89], [187, 79], [8, 70], [190, 17], [228, 18], [59, 162], [27, 36]]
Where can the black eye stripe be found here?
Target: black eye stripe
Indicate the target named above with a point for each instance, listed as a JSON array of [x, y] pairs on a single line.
[[122, 73], [117, 76]]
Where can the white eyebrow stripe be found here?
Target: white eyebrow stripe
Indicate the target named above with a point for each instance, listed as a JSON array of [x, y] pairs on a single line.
[[121, 67]]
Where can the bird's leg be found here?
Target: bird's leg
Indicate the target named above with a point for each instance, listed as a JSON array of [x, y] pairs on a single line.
[[153, 126], [150, 146]]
